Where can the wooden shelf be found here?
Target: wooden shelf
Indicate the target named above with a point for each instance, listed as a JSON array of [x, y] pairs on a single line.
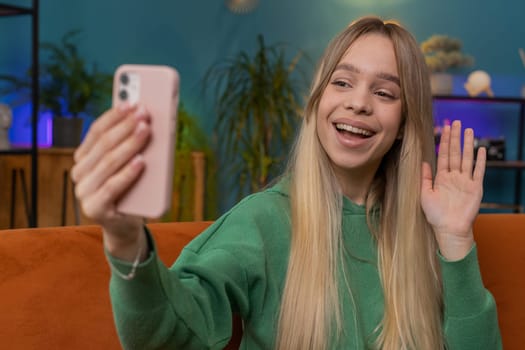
[[57, 205], [9, 10], [510, 164], [502, 206], [13, 10], [6, 152], [465, 98]]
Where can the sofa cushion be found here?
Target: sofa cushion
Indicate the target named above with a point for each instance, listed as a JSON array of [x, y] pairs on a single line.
[[54, 282], [54, 285]]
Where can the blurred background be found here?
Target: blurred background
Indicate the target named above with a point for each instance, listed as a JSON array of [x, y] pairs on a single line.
[[193, 36]]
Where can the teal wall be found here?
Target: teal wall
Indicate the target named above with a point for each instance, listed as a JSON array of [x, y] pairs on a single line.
[[192, 35]]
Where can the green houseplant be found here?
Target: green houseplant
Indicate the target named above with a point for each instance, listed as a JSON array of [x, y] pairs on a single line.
[[192, 143], [443, 54], [257, 103], [68, 88]]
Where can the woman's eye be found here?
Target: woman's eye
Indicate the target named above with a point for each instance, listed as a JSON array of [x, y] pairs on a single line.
[[384, 94], [340, 83]]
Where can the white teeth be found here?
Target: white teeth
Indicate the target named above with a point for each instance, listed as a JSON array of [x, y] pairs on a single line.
[[353, 129]]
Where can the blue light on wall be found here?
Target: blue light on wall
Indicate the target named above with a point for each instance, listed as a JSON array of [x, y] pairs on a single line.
[[20, 133]]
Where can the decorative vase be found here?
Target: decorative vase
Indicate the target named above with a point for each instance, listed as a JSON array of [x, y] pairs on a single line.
[[67, 132], [441, 83], [6, 118]]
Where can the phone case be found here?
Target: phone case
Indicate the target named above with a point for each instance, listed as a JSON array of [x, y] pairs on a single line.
[[156, 88]]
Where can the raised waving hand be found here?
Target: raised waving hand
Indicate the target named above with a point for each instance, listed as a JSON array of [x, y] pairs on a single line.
[[451, 200]]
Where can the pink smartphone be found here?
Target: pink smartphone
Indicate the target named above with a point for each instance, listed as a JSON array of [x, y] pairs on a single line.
[[157, 89]]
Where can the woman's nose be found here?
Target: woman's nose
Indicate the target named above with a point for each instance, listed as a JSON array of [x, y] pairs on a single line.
[[359, 102]]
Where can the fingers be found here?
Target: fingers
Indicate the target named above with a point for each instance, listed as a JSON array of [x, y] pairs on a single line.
[[442, 159], [451, 157], [108, 161], [455, 146], [426, 175], [106, 133], [105, 122], [481, 162], [100, 203], [467, 160]]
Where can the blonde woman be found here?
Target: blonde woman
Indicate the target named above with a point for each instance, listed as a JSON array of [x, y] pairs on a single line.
[[359, 245]]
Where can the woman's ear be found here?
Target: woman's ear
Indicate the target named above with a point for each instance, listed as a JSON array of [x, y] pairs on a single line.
[[400, 133]]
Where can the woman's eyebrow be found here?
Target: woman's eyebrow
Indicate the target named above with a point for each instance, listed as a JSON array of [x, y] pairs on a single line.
[[380, 75], [389, 77]]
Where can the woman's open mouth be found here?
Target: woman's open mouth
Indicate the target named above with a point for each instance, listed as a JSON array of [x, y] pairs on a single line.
[[349, 130]]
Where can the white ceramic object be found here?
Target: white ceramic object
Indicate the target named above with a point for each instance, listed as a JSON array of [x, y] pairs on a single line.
[[478, 82]]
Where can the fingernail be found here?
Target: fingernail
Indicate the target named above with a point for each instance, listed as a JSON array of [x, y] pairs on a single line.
[[140, 128], [125, 107], [138, 160], [141, 113]]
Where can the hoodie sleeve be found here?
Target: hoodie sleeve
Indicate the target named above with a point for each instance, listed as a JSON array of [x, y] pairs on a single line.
[[471, 320], [188, 306]]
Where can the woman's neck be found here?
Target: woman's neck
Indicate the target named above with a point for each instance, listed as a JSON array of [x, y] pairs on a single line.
[[355, 183]]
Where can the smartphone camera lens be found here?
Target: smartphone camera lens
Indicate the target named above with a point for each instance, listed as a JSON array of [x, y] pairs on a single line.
[[124, 79], [123, 95]]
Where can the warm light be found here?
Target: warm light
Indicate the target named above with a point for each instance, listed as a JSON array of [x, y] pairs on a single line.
[[241, 6], [372, 3]]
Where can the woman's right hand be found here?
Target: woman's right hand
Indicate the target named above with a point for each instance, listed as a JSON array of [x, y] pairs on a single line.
[[107, 163]]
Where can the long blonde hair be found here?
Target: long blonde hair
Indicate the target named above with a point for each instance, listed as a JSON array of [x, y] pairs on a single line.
[[407, 260]]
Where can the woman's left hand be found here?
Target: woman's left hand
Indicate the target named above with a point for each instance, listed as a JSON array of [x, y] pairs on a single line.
[[451, 201]]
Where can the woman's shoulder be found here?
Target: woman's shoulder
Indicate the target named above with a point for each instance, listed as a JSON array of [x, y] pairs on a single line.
[[256, 218], [260, 208], [269, 201]]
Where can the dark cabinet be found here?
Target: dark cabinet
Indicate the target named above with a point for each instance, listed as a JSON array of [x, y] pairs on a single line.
[[517, 165]]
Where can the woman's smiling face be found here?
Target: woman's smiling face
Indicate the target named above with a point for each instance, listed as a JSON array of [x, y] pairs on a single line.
[[359, 113]]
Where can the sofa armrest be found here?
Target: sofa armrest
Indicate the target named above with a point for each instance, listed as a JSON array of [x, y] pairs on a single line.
[[500, 240]]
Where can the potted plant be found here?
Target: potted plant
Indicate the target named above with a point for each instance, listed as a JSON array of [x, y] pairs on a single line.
[[257, 101], [443, 54], [68, 88], [194, 161]]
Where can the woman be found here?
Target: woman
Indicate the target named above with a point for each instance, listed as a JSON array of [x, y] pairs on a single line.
[[357, 246]]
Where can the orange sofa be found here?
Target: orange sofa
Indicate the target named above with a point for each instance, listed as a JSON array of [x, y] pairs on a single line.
[[54, 282]]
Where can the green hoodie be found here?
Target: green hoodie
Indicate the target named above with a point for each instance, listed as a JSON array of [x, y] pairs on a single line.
[[239, 265]]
